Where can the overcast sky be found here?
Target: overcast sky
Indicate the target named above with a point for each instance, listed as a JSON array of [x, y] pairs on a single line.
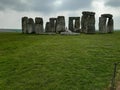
[[11, 11]]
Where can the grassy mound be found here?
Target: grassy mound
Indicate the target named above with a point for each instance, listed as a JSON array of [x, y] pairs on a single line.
[[55, 62]]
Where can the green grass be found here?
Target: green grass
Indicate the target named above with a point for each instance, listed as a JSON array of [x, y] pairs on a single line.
[[56, 62]]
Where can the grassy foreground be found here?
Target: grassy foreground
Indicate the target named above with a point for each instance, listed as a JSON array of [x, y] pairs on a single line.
[[55, 62]]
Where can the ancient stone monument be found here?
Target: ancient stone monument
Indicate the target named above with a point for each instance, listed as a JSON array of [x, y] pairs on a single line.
[[60, 24], [24, 24], [88, 22], [30, 26], [39, 25], [57, 25], [106, 23], [74, 26]]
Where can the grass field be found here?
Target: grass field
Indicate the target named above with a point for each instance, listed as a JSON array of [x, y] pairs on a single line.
[[56, 62]]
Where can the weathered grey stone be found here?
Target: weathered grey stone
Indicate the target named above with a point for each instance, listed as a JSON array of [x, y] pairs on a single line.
[[88, 22], [52, 24], [39, 25], [24, 24], [47, 27], [30, 26], [77, 25], [106, 23], [83, 23], [110, 25], [90, 27], [88, 13], [68, 32], [102, 25], [107, 15], [74, 27], [60, 24]]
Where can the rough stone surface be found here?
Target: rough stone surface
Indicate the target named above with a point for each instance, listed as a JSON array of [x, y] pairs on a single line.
[[90, 27], [69, 32], [47, 27], [83, 22], [74, 26], [110, 25], [24, 24], [102, 25], [30, 26], [107, 15], [88, 22], [52, 24], [39, 25], [60, 24], [106, 23]]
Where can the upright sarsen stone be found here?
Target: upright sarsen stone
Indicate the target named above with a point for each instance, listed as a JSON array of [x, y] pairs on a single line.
[[77, 24], [110, 25], [102, 25], [83, 22], [31, 26], [60, 24], [24, 24], [47, 27], [52, 24], [39, 25], [88, 22], [90, 26]]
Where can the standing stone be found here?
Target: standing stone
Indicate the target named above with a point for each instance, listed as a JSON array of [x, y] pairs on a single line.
[[24, 24], [91, 23], [52, 24], [88, 22], [47, 27], [60, 25], [39, 25], [71, 23], [30, 26], [110, 25], [84, 22], [102, 25], [77, 24]]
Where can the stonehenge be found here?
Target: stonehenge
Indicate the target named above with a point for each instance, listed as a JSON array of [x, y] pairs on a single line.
[[106, 23], [75, 25]]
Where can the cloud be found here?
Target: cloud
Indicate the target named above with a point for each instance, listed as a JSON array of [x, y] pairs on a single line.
[[113, 3], [44, 6], [17, 5], [75, 5]]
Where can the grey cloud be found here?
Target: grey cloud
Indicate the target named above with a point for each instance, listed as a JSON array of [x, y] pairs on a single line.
[[44, 6], [12, 4], [48, 6], [113, 3], [75, 5]]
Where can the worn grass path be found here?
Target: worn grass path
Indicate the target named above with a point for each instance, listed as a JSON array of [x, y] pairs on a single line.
[[55, 62]]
